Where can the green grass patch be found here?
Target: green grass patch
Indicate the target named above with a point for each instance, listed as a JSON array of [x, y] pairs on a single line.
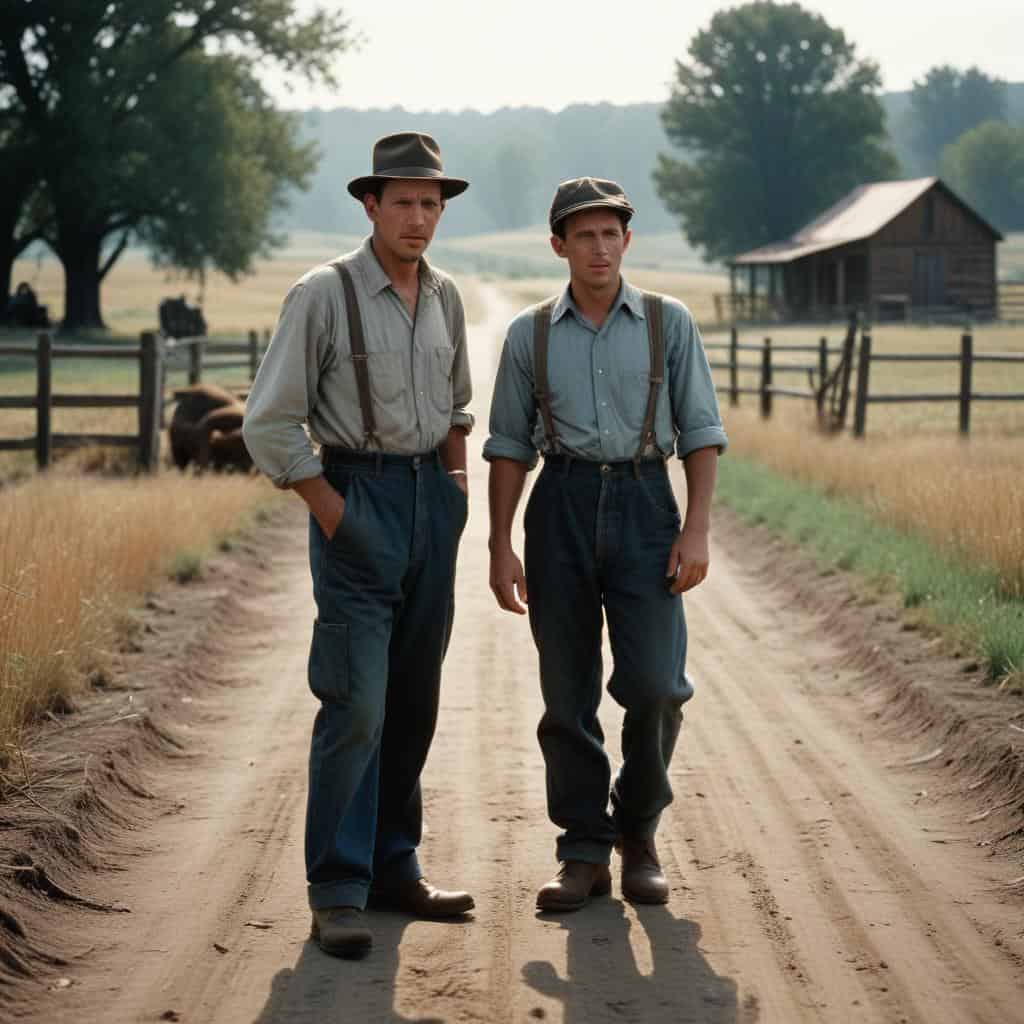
[[961, 599], [186, 566]]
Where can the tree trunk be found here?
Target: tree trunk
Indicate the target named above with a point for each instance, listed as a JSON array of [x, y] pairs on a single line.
[[6, 269], [80, 255]]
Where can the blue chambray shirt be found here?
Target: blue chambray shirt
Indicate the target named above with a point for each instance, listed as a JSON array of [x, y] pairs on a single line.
[[598, 381]]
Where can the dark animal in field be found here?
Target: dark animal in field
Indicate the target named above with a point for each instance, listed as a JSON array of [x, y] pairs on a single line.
[[194, 403], [218, 439], [24, 310], [180, 320]]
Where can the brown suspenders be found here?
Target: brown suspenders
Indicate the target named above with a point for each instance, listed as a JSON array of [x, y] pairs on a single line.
[[655, 343], [357, 346], [541, 328]]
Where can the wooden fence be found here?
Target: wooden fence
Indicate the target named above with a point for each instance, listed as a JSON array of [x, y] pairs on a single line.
[[965, 396], [154, 356], [815, 369], [829, 383]]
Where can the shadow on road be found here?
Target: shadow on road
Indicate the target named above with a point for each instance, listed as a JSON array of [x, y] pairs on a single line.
[[604, 983], [322, 989]]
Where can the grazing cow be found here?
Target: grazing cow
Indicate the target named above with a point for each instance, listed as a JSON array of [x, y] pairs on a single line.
[[218, 440], [194, 403]]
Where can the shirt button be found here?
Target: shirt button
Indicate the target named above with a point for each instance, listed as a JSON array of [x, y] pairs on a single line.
[[604, 403], [607, 431], [600, 371]]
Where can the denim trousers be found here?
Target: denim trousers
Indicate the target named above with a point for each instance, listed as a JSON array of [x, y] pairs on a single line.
[[383, 586], [597, 543]]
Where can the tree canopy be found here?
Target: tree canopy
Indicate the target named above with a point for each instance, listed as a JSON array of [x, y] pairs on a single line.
[[144, 122], [781, 119], [945, 104], [986, 166]]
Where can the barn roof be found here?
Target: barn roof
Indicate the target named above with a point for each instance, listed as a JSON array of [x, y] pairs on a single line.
[[858, 215]]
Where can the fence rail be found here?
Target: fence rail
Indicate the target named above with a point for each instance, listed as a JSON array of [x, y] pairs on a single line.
[[830, 382], [153, 354]]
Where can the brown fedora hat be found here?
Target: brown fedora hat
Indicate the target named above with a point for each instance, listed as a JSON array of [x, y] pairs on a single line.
[[406, 155]]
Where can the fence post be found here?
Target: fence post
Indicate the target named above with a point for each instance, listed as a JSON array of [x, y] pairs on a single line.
[[254, 354], [966, 373], [860, 409], [734, 374], [766, 379], [44, 393], [150, 400], [195, 362], [819, 398]]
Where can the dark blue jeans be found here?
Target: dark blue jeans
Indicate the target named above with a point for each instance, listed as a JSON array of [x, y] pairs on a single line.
[[597, 540], [384, 593]]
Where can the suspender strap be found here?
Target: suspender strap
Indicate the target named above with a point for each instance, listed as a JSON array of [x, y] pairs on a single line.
[[541, 329], [357, 345], [656, 344]]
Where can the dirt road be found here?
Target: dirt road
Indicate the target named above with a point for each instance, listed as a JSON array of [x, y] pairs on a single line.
[[810, 880]]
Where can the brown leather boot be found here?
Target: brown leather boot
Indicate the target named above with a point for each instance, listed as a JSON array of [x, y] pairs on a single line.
[[340, 931], [421, 899], [642, 880], [576, 882]]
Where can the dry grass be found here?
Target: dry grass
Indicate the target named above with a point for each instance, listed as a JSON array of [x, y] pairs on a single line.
[[967, 498], [73, 553]]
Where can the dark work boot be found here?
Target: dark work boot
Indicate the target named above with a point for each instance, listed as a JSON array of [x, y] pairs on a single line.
[[421, 899], [573, 886], [642, 880], [340, 931]]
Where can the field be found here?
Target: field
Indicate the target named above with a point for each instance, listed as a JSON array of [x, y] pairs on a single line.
[[75, 552]]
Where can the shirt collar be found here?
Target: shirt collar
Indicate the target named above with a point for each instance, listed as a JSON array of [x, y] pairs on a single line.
[[375, 278], [628, 296]]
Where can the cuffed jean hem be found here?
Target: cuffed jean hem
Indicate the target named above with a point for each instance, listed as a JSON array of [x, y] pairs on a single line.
[[586, 850], [338, 894]]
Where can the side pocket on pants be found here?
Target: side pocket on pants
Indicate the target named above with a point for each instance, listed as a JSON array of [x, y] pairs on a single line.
[[328, 662]]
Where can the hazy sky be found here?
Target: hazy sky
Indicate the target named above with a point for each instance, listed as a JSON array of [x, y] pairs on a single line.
[[453, 54]]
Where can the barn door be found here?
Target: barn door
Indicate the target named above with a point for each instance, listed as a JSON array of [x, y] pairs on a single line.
[[929, 279]]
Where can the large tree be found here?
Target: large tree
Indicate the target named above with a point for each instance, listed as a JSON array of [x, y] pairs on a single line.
[[986, 166], [149, 126], [778, 117], [945, 104]]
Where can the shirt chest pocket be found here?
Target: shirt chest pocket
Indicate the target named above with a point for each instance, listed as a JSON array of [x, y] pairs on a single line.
[[441, 362], [387, 375]]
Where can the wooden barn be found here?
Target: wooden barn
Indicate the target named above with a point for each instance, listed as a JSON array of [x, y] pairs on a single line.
[[890, 248]]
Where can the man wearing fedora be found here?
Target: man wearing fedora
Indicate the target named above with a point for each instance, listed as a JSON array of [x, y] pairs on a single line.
[[370, 356], [603, 381]]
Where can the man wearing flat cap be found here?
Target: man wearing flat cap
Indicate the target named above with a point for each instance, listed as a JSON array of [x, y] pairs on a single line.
[[370, 356], [604, 382]]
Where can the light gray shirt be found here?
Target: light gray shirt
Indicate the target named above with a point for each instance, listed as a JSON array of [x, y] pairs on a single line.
[[418, 367], [598, 381]]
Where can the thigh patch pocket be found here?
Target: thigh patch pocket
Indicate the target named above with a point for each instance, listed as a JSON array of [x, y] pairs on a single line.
[[328, 661]]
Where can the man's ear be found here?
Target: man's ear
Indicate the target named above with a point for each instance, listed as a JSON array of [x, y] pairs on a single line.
[[558, 244], [626, 239], [371, 206]]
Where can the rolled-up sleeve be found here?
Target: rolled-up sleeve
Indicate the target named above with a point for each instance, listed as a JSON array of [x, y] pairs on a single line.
[[694, 404], [513, 409], [462, 384], [285, 391]]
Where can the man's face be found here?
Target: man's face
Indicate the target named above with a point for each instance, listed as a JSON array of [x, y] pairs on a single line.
[[406, 216], [594, 245]]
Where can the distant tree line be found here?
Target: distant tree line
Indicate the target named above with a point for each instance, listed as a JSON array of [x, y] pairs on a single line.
[[124, 123]]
